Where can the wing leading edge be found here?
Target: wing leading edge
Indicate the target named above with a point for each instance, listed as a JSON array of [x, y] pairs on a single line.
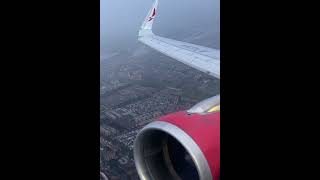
[[202, 58]]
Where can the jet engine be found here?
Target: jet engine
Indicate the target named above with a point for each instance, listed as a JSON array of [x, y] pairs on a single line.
[[180, 146]]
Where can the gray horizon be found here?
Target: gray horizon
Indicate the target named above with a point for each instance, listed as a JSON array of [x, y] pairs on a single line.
[[120, 21]]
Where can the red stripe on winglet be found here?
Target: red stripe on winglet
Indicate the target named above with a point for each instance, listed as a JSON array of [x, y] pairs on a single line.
[[154, 12]]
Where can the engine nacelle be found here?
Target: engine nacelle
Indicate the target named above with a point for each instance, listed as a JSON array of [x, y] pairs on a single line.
[[179, 146]]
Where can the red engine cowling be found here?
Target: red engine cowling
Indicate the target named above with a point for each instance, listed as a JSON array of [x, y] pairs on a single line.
[[179, 146]]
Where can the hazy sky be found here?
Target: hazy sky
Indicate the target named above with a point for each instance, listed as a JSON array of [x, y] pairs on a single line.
[[120, 20]]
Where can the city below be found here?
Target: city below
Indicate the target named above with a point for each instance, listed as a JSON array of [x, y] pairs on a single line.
[[135, 90]]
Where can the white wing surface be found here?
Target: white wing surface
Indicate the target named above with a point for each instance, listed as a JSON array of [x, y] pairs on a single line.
[[202, 58]]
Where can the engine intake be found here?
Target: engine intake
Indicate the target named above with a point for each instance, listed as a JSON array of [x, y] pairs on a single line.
[[164, 151]]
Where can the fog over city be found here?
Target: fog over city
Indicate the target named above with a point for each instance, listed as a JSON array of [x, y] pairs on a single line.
[[120, 21]]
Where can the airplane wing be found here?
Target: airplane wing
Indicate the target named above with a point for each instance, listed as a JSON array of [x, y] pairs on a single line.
[[202, 58], [154, 152]]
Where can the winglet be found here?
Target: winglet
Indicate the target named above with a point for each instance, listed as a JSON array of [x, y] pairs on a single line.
[[146, 27]]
